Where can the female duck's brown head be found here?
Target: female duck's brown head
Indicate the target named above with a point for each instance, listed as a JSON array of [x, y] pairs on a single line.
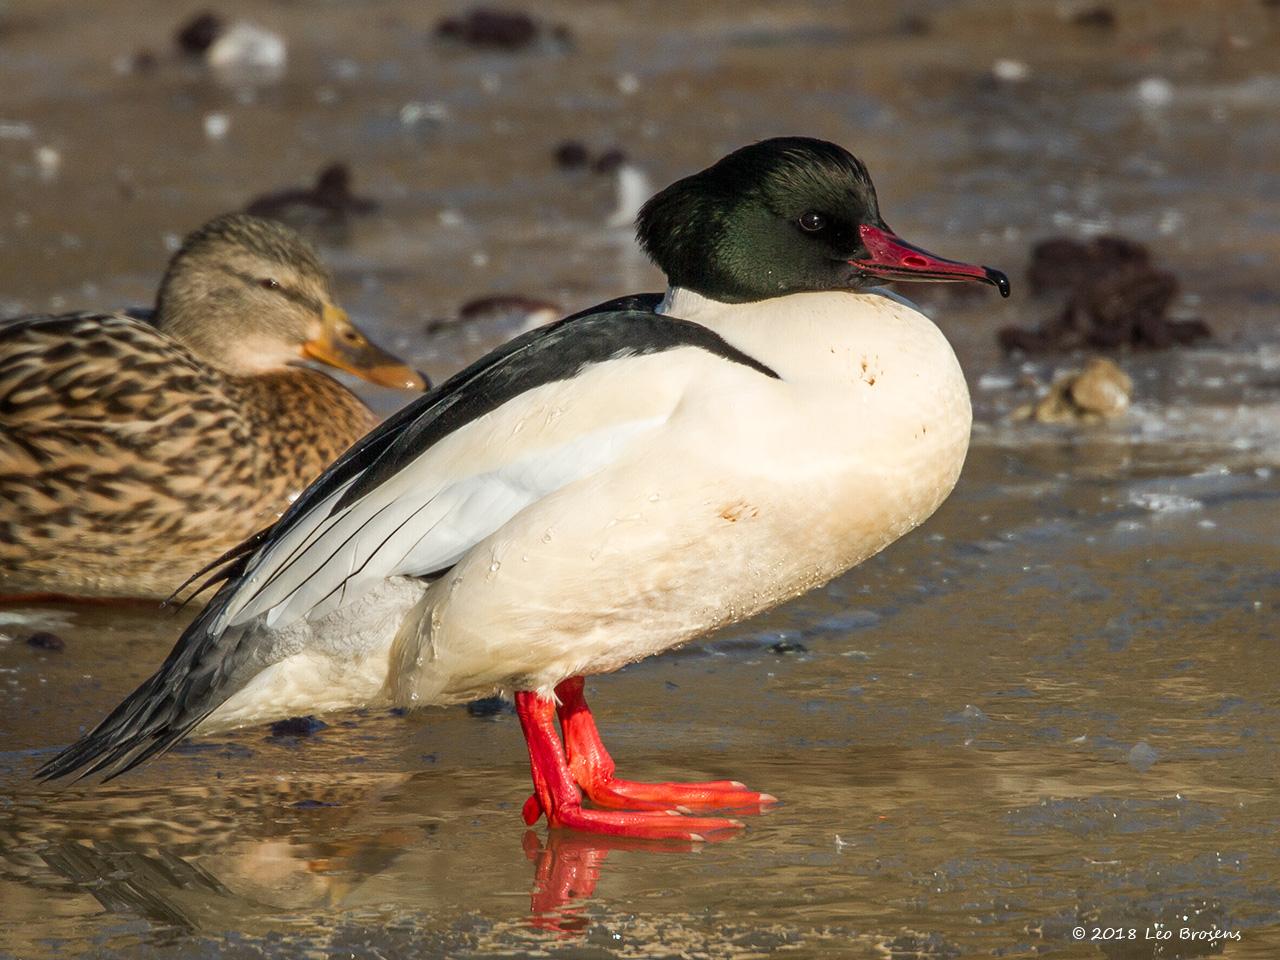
[[248, 296]]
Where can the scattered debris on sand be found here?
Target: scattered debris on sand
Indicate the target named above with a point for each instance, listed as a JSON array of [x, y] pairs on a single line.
[[1115, 298], [330, 201], [1099, 392]]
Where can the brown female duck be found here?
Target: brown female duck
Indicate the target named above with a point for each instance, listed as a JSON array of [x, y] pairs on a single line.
[[133, 452]]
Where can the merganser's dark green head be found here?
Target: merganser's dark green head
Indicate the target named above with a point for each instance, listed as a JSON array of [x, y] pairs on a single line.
[[783, 216]]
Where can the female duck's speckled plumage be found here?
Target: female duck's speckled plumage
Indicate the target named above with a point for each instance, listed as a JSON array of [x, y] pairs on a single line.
[[132, 453]]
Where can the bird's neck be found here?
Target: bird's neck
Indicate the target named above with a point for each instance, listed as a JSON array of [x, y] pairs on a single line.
[[303, 418], [810, 335]]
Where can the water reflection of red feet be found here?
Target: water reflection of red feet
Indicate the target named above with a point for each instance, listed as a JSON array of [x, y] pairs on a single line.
[[654, 809], [567, 869]]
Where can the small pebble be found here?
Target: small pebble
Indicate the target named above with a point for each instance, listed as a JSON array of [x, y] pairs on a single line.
[[571, 155], [330, 199], [969, 715], [914, 25], [523, 313], [489, 707], [297, 727], [423, 113], [1096, 18], [609, 161], [142, 61], [1143, 756], [246, 52], [216, 125], [489, 28], [16, 130], [633, 189], [485, 27], [44, 640], [48, 162], [1155, 92], [1102, 388], [1100, 391], [784, 647], [197, 35], [1010, 71]]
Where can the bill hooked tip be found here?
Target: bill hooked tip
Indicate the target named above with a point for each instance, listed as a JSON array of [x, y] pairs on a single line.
[[889, 257], [998, 279]]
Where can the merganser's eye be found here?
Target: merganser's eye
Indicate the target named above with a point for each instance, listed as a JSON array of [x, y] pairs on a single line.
[[269, 283], [812, 222]]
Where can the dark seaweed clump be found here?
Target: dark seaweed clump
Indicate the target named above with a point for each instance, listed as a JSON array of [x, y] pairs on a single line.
[[1114, 297]]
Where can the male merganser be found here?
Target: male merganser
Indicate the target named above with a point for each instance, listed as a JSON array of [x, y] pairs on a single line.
[[599, 490]]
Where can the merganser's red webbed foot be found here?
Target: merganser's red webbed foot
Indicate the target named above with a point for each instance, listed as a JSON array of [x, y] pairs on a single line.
[[557, 776], [593, 770]]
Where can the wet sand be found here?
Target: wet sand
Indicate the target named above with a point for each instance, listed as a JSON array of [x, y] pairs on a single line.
[[1053, 706]]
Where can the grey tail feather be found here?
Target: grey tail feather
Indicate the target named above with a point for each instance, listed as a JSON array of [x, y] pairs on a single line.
[[196, 678]]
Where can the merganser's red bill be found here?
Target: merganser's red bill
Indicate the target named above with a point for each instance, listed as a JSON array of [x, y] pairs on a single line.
[[893, 258]]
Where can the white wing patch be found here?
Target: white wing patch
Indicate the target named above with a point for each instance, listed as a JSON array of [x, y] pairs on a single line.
[[419, 521]]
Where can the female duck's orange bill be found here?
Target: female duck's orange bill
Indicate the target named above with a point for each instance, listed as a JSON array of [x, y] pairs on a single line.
[[343, 345]]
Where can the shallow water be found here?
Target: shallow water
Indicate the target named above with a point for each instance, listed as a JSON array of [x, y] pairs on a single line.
[[1051, 707]]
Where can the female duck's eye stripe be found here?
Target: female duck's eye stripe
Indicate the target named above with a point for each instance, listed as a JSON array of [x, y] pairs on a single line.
[[310, 303]]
